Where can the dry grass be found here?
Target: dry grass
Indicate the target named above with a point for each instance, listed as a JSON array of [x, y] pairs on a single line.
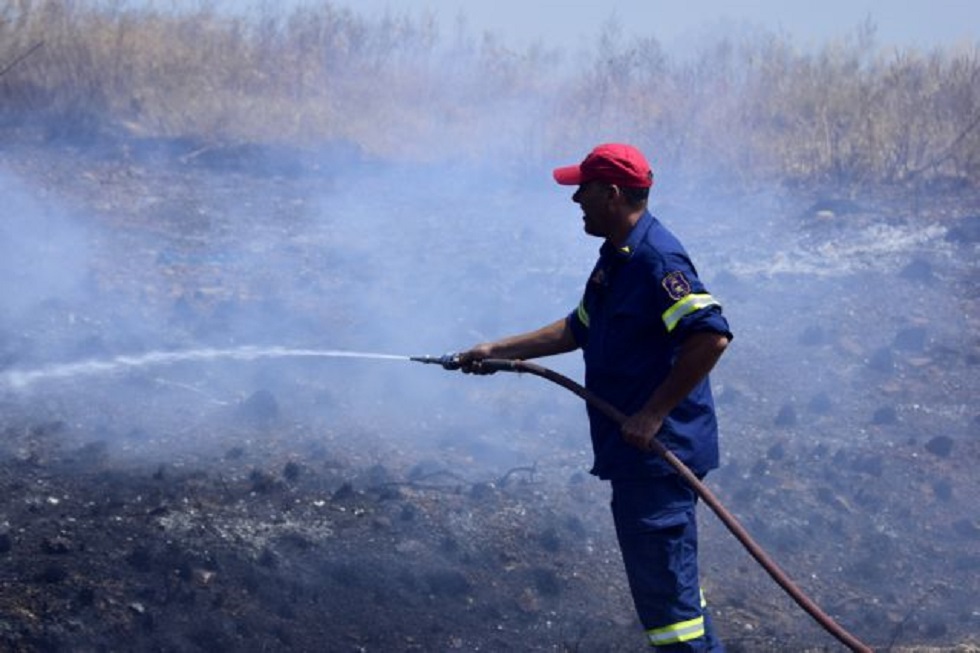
[[754, 110]]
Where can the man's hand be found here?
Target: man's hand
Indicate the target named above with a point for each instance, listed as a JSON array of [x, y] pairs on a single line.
[[641, 428], [699, 353], [469, 360]]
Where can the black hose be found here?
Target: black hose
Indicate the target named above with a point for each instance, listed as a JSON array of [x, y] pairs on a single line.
[[733, 525]]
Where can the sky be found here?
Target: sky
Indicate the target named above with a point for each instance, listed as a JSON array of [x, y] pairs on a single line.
[[575, 23]]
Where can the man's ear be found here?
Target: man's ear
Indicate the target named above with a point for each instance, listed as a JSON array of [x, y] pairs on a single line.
[[614, 192]]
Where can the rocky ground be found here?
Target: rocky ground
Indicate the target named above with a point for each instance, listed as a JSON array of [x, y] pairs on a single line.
[[319, 503]]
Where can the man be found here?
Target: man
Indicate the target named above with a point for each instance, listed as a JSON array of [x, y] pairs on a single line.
[[650, 333]]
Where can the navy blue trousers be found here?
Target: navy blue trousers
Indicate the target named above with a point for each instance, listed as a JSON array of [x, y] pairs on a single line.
[[658, 537]]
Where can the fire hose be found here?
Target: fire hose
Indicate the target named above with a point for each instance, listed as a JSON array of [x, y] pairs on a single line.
[[489, 365]]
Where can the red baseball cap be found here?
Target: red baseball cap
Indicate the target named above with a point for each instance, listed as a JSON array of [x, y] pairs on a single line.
[[613, 163]]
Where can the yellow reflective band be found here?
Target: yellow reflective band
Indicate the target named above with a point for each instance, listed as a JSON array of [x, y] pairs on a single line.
[[683, 631], [583, 315], [685, 307]]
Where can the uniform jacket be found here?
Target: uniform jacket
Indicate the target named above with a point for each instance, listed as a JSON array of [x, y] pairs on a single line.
[[639, 304]]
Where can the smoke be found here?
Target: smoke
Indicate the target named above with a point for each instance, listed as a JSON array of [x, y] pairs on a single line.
[[120, 321], [41, 252], [45, 278], [421, 258]]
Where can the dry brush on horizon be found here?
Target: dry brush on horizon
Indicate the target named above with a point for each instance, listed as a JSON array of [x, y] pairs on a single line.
[[752, 108]]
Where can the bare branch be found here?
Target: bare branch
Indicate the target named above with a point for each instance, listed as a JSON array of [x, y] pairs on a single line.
[[8, 67]]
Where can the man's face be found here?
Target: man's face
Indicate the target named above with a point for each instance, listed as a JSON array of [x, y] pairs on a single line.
[[594, 197]]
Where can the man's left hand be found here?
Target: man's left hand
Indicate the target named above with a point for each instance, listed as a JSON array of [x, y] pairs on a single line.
[[641, 428]]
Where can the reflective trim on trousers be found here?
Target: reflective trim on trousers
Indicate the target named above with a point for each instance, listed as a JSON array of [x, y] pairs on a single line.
[[682, 631]]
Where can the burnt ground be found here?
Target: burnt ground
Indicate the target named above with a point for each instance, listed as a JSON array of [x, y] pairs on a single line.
[[363, 505]]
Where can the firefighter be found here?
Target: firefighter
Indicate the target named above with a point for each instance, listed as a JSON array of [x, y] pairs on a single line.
[[649, 332]]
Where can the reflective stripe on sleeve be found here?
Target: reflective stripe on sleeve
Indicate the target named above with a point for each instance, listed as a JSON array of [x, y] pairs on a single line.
[[682, 631], [685, 307], [583, 315]]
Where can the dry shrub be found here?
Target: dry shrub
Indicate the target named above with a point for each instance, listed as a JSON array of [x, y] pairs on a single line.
[[755, 109]]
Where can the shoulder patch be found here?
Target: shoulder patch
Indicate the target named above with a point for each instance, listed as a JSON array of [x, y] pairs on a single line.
[[676, 285]]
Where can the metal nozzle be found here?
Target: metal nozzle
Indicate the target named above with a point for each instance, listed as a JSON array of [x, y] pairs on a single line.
[[449, 362]]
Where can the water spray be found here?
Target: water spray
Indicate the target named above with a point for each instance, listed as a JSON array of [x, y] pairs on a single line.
[[491, 365], [20, 379]]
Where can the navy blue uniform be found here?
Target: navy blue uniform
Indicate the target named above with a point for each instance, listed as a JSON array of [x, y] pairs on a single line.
[[641, 301]]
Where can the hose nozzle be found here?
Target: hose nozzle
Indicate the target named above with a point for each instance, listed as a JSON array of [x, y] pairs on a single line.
[[453, 362], [449, 362]]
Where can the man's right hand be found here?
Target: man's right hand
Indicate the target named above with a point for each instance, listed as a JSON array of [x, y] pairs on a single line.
[[469, 360]]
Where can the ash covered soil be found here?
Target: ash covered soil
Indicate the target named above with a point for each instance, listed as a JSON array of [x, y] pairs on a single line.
[[319, 503]]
